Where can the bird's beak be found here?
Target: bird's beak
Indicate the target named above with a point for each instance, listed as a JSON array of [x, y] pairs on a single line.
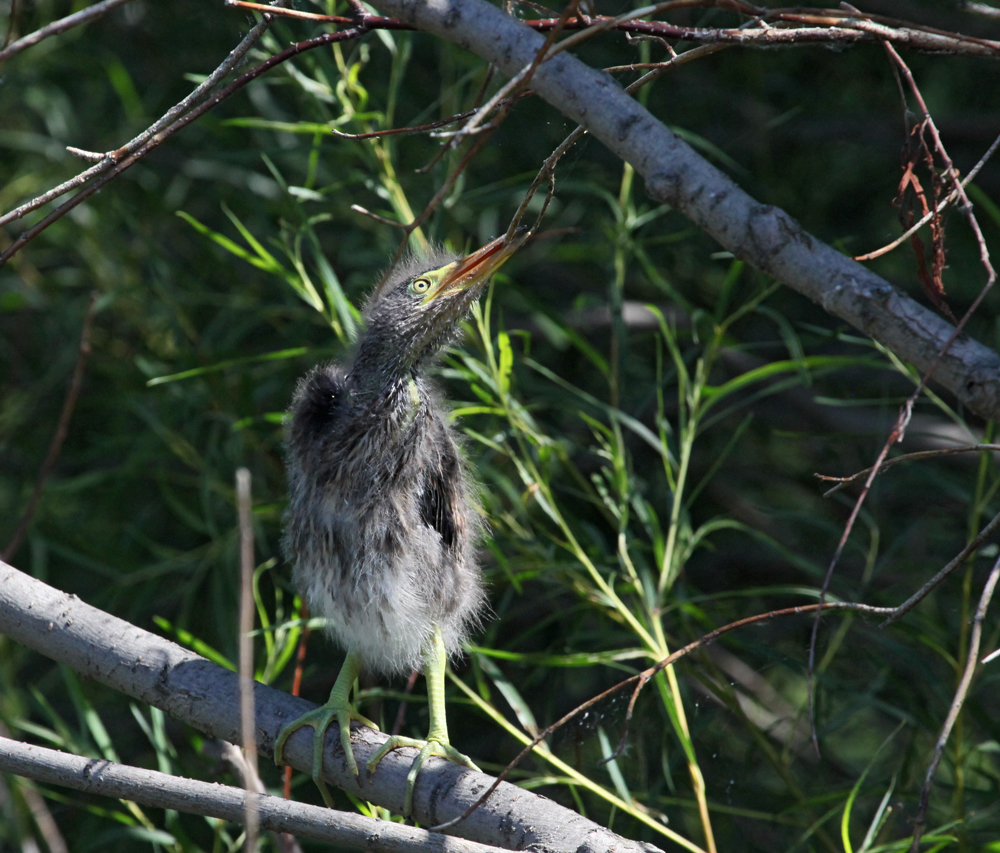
[[479, 266]]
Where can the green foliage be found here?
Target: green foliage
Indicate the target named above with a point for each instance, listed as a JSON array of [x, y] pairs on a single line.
[[645, 417]]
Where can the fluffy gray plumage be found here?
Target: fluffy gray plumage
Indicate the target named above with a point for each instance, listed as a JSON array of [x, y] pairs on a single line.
[[382, 521]]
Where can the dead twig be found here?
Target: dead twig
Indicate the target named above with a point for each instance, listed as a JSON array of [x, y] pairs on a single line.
[[245, 516], [974, 545], [197, 96], [56, 27], [300, 662], [642, 678], [115, 167], [888, 247], [906, 411], [844, 482], [956, 704]]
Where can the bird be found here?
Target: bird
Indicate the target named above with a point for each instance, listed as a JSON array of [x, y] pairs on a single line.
[[383, 520]]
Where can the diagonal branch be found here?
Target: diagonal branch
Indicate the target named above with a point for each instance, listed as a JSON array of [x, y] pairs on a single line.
[[161, 790], [75, 20], [763, 235], [206, 696], [956, 704], [197, 96]]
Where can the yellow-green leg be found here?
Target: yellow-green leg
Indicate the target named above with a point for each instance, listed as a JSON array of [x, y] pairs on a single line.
[[437, 743], [338, 707]]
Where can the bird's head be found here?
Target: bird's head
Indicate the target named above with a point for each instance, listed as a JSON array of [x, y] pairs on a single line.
[[417, 310]]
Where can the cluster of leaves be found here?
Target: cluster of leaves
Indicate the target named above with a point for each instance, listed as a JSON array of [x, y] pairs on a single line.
[[645, 418]]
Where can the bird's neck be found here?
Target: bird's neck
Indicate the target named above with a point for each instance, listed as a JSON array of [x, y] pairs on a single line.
[[390, 401]]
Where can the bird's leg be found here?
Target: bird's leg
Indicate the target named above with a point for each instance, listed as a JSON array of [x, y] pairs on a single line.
[[338, 707], [437, 743]]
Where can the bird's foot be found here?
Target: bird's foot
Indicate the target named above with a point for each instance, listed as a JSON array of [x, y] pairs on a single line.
[[436, 746], [320, 719]]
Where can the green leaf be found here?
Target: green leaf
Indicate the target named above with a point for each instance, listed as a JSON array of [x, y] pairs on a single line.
[[506, 362]]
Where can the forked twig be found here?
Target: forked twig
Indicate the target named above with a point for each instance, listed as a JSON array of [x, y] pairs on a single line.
[[201, 92], [905, 413], [949, 199], [113, 166], [643, 677], [417, 128], [844, 482], [956, 705]]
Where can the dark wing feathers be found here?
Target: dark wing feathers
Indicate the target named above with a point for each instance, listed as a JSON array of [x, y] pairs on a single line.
[[318, 400], [438, 501]]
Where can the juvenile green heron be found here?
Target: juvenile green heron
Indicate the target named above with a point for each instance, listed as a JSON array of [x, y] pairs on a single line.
[[382, 519]]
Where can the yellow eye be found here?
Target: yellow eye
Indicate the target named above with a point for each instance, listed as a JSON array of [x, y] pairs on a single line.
[[420, 285]]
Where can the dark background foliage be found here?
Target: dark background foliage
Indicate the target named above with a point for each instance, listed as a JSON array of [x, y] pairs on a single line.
[[139, 517]]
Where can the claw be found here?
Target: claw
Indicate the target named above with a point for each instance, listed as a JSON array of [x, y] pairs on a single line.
[[439, 748], [437, 743], [339, 708]]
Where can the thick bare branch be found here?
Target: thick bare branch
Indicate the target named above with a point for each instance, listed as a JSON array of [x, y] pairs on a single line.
[[160, 790], [763, 235], [206, 696]]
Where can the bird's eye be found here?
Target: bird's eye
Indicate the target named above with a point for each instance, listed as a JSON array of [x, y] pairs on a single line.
[[420, 285]]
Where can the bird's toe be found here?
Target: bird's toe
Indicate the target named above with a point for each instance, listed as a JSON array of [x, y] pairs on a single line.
[[427, 749]]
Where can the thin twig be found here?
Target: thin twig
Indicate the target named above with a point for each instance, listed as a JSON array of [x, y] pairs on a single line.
[[60, 26], [781, 28], [197, 96], [547, 170], [116, 168], [515, 84], [896, 435], [952, 172], [974, 545], [843, 482], [288, 13], [432, 205], [382, 220], [233, 758], [767, 27], [906, 411], [247, 607], [59, 436], [839, 28], [373, 22], [417, 128], [300, 663], [956, 704], [647, 674], [979, 8], [949, 199]]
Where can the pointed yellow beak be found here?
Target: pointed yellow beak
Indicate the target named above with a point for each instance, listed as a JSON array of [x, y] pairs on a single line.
[[479, 266]]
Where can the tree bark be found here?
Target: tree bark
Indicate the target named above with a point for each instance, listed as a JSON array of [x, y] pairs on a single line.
[[763, 235], [160, 790], [206, 696]]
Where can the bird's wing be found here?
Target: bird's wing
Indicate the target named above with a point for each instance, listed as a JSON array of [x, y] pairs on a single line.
[[318, 401], [439, 500]]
